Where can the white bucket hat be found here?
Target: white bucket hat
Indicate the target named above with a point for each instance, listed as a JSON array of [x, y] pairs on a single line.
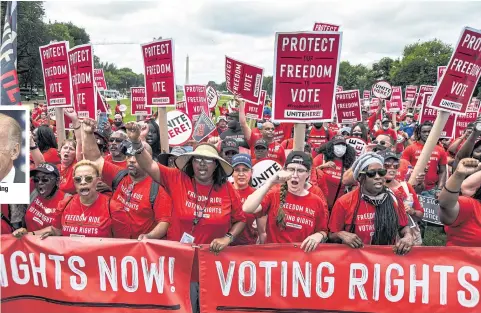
[[203, 150]]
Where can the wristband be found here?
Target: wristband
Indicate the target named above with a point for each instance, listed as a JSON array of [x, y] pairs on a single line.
[[230, 236], [75, 128], [33, 148], [450, 191], [136, 145]]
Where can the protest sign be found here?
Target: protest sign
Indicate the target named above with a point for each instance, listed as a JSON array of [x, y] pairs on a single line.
[[203, 127], [357, 143], [441, 71], [375, 103], [339, 88], [256, 110], [420, 95], [431, 209], [243, 80], [102, 106], [212, 97], [391, 107], [462, 121], [56, 74], [337, 278], [159, 76], [381, 89], [474, 105], [196, 100], [462, 74], [430, 114], [305, 76], [348, 107], [325, 27], [94, 274], [137, 102], [396, 100], [366, 94], [99, 78], [181, 106], [180, 128], [410, 93], [81, 64], [263, 171], [51, 113]]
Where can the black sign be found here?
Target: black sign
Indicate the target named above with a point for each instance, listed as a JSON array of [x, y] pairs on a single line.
[[431, 209], [203, 127]]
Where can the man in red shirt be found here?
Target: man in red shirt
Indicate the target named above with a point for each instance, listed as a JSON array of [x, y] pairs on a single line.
[[386, 129], [436, 169], [319, 134], [116, 155]]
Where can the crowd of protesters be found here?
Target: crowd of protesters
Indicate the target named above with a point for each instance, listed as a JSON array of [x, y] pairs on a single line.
[[119, 182]]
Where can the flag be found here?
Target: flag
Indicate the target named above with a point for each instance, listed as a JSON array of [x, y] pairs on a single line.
[[8, 57]]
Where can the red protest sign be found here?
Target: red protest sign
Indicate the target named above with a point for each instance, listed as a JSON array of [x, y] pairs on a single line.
[[243, 80], [325, 27], [430, 114], [462, 74], [99, 78], [462, 122], [137, 101], [102, 106], [256, 110], [81, 64], [196, 100], [375, 102], [381, 89], [396, 103], [348, 107], [420, 95], [441, 71], [366, 94], [474, 105], [305, 76], [56, 74], [159, 76], [181, 106], [410, 92]]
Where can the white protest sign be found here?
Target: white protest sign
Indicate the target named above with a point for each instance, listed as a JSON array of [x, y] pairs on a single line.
[[179, 127], [381, 89], [212, 97], [357, 143], [263, 171], [51, 113]]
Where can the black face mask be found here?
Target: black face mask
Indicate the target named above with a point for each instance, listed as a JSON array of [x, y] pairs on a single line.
[[117, 123], [317, 125]]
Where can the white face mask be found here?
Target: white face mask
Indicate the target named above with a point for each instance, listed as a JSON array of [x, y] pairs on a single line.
[[340, 150]]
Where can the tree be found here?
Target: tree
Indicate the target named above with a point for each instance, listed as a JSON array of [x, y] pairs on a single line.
[[381, 70], [267, 84], [355, 76]]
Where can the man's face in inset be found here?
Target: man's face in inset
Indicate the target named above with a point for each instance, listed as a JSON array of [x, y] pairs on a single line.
[[9, 151]]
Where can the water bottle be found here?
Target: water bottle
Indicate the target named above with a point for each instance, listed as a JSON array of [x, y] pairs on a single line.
[[408, 174]]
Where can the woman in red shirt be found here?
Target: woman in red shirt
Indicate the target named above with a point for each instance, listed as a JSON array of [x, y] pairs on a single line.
[[461, 215], [47, 144], [85, 214], [293, 213], [370, 214]]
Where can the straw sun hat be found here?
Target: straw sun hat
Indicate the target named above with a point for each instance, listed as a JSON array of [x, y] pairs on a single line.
[[203, 150]]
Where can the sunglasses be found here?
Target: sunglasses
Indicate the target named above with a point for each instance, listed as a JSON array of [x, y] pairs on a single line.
[[206, 161], [117, 140], [382, 142], [372, 173], [43, 180], [394, 165], [88, 179]]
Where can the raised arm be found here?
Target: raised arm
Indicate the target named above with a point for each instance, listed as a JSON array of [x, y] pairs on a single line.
[[90, 148], [77, 131], [468, 146], [243, 120]]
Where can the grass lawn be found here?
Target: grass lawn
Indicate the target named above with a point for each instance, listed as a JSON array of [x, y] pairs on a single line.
[[434, 236]]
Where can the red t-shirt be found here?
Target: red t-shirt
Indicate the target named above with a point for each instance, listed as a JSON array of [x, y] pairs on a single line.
[[249, 234], [5, 228], [283, 132], [42, 212], [78, 220], [343, 211], [318, 137], [223, 111], [133, 215], [400, 142], [318, 192], [66, 179], [330, 178], [51, 156], [402, 170], [318, 160], [438, 158], [466, 229], [221, 209], [401, 195], [304, 216], [389, 132], [121, 164], [275, 152], [288, 144]]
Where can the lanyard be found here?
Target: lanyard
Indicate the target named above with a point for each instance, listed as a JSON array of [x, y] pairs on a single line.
[[197, 218]]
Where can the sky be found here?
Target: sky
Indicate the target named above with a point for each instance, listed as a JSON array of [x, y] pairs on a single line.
[[245, 30]]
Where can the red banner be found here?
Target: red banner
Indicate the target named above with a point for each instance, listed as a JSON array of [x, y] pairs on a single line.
[[325, 27], [196, 100], [305, 76], [348, 107], [430, 114], [462, 74], [366, 94], [410, 92], [243, 80], [159, 73], [256, 110], [94, 275], [396, 100], [441, 71], [283, 278], [137, 101], [56, 74], [83, 85], [419, 96], [99, 78]]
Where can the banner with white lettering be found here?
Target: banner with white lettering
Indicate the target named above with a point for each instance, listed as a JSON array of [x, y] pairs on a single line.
[[81, 64], [137, 102], [305, 76], [262, 171], [325, 27], [348, 107], [180, 128], [410, 92], [243, 80], [462, 74], [256, 110], [420, 95], [56, 74], [203, 127], [67, 274], [430, 114], [159, 75], [441, 71], [196, 100], [462, 122], [396, 100], [99, 78]]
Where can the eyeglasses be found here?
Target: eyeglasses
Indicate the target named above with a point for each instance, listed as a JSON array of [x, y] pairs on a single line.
[[88, 179], [394, 165], [293, 170], [382, 142], [117, 140], [206, 161], [372, 173], [43, 179]]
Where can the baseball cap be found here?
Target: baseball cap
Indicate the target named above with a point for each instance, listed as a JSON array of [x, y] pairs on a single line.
[[384, 120], [47, 168], [242, 158], [261, 143], [221, 118], [299, 157], [389, 155], [229, 144]]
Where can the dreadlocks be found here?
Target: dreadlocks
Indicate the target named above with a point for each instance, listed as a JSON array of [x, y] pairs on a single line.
[[417, 130]]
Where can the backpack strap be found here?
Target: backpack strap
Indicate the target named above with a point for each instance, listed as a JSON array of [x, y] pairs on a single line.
[[154, 190], [116, 181]]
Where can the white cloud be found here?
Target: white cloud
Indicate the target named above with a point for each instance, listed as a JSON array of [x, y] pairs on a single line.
[[209, 30]]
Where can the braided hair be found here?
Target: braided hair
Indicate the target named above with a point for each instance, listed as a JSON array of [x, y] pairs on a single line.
[[280, 222]]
